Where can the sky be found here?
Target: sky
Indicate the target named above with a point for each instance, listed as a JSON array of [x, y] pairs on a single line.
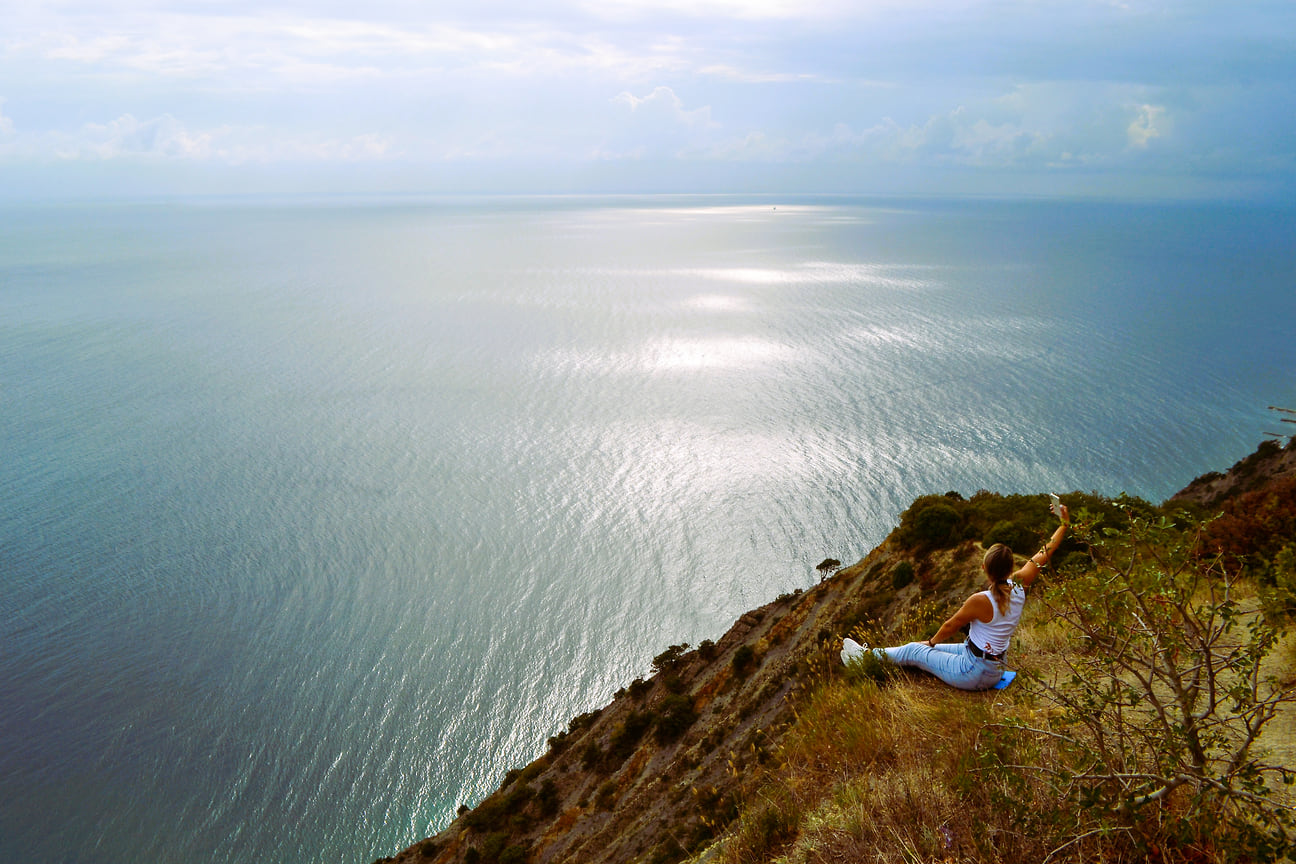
[[1033, 97]]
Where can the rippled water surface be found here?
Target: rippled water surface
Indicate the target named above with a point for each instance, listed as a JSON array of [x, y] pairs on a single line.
[[316, 519]]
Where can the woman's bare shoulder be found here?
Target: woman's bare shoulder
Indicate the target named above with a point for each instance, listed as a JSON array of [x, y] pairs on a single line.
[[978, 606]]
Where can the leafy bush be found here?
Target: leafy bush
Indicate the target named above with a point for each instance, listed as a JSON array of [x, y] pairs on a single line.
[[1255, 526], [1279, 590], [626, 736], [675, 716], [606, 794], [513, 854], [534, 770], [486, 815], [1017, 536], [902, 575], [639, 689], [744, 661], [547, 801], [492, 845], [581, 722], [931, 522], [669, 660]]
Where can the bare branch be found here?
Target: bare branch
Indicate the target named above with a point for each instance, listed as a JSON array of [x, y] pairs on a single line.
[[1075, 840]]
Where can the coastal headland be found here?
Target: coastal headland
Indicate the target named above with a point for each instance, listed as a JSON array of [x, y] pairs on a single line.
[[759, 746]]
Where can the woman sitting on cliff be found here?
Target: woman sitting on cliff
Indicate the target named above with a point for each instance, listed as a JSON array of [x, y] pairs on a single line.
[[991, 617]]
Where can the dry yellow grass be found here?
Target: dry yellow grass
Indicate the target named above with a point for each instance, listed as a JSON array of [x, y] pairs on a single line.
[[909, 771], [871, 772]]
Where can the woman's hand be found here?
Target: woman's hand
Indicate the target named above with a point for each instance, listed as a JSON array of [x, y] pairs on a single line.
[[1064, 515]]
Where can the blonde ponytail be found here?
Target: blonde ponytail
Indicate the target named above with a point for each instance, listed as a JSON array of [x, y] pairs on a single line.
[[1002, 595]]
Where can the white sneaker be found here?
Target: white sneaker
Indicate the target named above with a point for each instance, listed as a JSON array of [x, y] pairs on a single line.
[[852, 650]]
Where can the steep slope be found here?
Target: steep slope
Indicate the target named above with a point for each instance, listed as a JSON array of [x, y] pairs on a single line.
[[1270, 461], [652, 775]]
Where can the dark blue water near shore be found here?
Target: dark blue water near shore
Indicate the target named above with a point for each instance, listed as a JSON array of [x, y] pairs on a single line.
[[316, 519]]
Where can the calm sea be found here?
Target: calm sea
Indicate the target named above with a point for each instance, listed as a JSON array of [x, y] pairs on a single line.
[[315, 519]]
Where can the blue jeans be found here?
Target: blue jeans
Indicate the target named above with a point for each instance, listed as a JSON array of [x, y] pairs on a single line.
[[951, 662]]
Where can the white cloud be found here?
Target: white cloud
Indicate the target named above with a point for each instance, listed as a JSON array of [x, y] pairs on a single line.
[[165, 138], [662, 102], [766, 10], [733, 73], [1148, 123], [162, 136], [878, 83], [277, 50], [654, 126], [1037, 127]]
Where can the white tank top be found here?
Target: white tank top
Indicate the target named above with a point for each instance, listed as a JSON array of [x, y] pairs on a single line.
[[994, 635]]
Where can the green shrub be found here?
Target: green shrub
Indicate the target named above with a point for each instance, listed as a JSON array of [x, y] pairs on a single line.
[[1278, 585], [534, 770], [487, 815], [1017, 536], [492, 845], [744, 661], [626, 736], [670, 659], [675, 716], [931, 522], [606, 793], [902, 575], [547, 801], [581, 722], [515, 854]]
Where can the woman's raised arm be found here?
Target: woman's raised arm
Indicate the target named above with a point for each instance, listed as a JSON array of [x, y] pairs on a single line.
[[1031, 569]]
